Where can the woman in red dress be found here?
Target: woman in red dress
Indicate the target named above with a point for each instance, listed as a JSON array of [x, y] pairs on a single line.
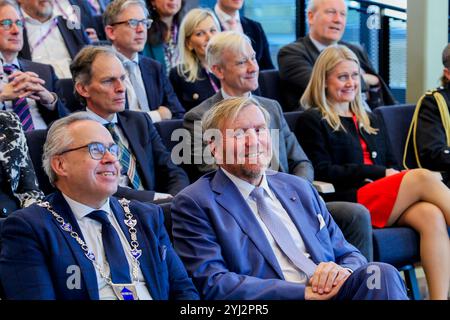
[[348, 148]]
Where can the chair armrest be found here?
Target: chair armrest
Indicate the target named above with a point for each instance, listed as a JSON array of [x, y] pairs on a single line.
[[323, 187]]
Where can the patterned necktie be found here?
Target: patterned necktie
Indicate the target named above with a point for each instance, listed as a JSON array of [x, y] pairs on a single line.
[[281, 234], [20, 105], [118, 264], [127, 160], [137, 85]]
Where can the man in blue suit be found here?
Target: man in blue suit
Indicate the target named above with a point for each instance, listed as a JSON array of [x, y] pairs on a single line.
[[39, 80], [245, 232], [126, 23], [48, 38], [149, 173], [82, 243]]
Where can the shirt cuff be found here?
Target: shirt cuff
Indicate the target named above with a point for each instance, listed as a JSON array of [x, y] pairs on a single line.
[[51, 106], [155, 116]]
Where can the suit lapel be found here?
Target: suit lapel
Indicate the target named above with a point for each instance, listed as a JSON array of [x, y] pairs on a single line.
[[68, 37], [290, 201], [229, 197], [60, 205], [146, 261], [25, 52]]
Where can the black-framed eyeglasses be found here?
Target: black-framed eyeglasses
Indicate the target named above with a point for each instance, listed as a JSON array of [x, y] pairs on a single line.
[[133, 23], [97, 150], [7, 23]]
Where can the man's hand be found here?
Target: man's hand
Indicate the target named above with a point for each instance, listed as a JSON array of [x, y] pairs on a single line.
[[92, 34], [28, 84], [165, 113], [326, 281]]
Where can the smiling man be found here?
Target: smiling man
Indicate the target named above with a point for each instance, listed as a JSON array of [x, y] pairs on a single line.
[[327, 20], [77, 245], [149, 90]]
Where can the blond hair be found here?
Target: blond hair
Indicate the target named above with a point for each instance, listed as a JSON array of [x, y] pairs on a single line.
[[315, 95], [189, 61]]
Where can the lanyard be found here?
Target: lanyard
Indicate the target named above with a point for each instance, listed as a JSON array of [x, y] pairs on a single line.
[[213, 84], [41, 39]]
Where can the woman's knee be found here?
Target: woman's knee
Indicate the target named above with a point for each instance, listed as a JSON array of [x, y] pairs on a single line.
[[423, 176], [425, 216]]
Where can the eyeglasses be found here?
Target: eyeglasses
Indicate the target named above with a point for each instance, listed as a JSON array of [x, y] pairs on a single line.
[[97, 150], [7, 23], [133, 23]]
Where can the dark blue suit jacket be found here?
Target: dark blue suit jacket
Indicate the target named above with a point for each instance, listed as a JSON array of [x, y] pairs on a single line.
[[36, 254], [75, 39], [158, 88], [89, 18], [153, 162], [226, 252], [46, 73]]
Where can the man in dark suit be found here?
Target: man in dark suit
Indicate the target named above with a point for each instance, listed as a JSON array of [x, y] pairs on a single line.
[[147, 166], [91, 16], [126, 24], [227, 12], [85, 244], [36, 81], [232, 60], [327, 20], [246, 232], [50, 39]]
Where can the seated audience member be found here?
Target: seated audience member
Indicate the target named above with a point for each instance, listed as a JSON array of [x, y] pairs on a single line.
[[191, 79], [126, 24], [246, 232], [148, 173], [77, 244], [232, 59], [18, 182], [327, 20], [30, 89], [431, 142], [162, 41], [49, 38], [227, 12], [349, 148]]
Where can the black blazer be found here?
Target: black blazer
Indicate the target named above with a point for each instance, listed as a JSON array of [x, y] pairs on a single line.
[[46, 73], [75, 39], [155, 167], [296, 61], [434, 152], [191, 94], [337, 155]]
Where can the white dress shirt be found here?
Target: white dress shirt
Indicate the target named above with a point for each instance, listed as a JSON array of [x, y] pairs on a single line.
[[52, 50], [38, 121], [224, 17], [290, 272], [92, 235]]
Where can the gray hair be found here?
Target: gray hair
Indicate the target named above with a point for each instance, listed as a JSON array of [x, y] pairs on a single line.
[[313, 4], [228, 109], [81, 66], [116, 7], [58, 140], [4, 3], [230, 40]]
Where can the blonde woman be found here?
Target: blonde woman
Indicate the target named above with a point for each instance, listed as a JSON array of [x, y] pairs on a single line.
[[191, 79], [348, 148]]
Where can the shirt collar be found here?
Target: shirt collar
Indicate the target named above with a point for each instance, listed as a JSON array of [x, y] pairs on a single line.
[[223, 17], [246, 188], [99, 119], [81, 210], [320, 46], [28, 19], [124, 59], [15, 63], [227, 96]]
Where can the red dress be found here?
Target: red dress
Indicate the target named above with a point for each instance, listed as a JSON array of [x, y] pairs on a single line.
[[378, 196]]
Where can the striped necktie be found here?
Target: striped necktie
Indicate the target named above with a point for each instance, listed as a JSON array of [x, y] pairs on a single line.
[[127, 160], [20, 105]]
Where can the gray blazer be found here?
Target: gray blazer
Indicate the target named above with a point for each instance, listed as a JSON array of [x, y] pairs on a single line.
[[291, 157]]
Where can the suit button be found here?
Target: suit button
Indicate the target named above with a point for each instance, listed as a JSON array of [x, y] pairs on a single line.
[[195, 96], [374, 154], [5, 211], [446, 151]]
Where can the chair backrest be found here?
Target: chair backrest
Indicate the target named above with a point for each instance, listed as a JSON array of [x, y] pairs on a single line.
[[35, 141], [269, 84], [2, 294], [165, 129], [397, 120], [66, 89], [291, 118]]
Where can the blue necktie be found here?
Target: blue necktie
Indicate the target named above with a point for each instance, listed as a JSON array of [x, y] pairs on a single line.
[[139, 90], [20, 106], [118, 264], [281, 234]]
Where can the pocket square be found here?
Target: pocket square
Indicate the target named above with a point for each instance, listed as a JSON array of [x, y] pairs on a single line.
[[163, 252], [321, 221]]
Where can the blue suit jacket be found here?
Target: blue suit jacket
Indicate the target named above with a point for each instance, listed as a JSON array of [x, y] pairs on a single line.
[[158, 88], [153, 162], [46, 73], [226, 252], [89, 18], [36, 253], [75, 39]]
